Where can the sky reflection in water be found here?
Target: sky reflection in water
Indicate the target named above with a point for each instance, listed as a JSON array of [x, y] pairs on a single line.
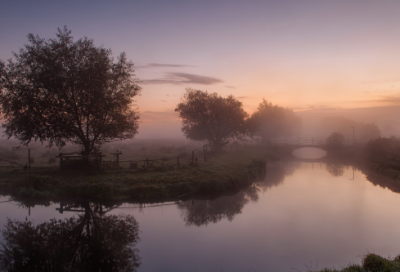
[[301, 215]]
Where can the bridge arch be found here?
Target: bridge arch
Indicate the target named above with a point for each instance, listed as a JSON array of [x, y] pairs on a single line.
[[293, 146]]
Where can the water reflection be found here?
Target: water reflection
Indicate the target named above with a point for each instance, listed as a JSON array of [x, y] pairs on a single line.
[[309, 153], [281, 222], [276, 174], [381, 181], [91, 241], [203, 212], [336, 169]]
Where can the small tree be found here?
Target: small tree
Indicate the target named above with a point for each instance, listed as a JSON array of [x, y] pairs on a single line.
[[335, 140], [272, 121], [63, 91], [210, 117]]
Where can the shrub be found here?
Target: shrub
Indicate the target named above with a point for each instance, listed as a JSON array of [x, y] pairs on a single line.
[[375, 263], [335, 140], [375, 147]]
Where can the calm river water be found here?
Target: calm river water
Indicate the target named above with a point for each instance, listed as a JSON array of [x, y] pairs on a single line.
[[302, 216]]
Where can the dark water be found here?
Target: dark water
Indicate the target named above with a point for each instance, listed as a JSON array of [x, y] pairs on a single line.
[[302, 216]]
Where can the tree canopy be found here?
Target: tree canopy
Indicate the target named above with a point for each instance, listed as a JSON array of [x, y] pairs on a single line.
[[363, 132], [274, 121], [61, 91], [208, 116], [336, 140]]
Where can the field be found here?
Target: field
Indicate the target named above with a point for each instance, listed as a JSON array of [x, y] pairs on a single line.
[[237, 166]]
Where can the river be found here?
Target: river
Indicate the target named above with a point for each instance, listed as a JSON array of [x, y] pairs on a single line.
[[302, 216]]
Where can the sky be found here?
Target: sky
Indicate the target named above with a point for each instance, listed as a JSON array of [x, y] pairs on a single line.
[[308, 55]]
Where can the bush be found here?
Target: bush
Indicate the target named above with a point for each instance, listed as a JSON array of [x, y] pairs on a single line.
[[335, 140], [375, 263], [375, 147]]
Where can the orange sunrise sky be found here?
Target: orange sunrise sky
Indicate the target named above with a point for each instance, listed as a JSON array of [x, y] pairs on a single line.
[[307, 55]]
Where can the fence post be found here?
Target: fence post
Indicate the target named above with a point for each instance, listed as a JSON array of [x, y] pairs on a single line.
[[147, 162], [118, 157], [61, 159], [29, 159], [100, 159]]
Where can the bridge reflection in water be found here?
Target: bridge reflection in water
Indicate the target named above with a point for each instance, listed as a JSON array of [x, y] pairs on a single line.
[[309, 153]]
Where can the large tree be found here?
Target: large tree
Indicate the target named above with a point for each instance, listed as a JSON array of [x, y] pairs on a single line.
[[273, 121], [210, 117], [61, 90]]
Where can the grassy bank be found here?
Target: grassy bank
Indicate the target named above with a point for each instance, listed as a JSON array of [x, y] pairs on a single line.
[[371, 263], [383, 156], [226, 172]]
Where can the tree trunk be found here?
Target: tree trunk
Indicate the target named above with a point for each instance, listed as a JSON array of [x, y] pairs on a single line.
[[86, 151]]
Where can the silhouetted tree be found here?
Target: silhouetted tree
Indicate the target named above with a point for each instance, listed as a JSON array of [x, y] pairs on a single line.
[[335, 140], [61, 91], [369, 131], [90, 242], [378, 147], [364, 132], [208, 116], [273, 121]]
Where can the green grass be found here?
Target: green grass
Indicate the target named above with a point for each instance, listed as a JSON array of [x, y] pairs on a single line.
[[371, 263], [226, 172]]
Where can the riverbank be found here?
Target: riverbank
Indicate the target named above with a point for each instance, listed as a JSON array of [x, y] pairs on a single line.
[[371, 263], [382, 156], [221, 174]]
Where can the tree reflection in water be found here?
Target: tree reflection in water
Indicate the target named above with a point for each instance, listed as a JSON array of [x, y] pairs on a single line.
[[90, 242], [336, 169], [202, 212]]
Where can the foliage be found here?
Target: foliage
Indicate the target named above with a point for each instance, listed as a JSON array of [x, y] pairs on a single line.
[[363, 132], [335, 140], [208, 116], [369, 131], [375, 263], [375, 147], [371, 263], [273, 121], [90, 242], [61, 91]]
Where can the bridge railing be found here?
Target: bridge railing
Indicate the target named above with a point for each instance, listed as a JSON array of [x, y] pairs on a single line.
[[304, 141]]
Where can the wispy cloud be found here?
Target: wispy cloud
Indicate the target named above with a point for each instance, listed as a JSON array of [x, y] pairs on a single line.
[[162, 117], [386, 80], [164, 65], [390, 99], [382, 99], [183, 78], [230, 87]]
